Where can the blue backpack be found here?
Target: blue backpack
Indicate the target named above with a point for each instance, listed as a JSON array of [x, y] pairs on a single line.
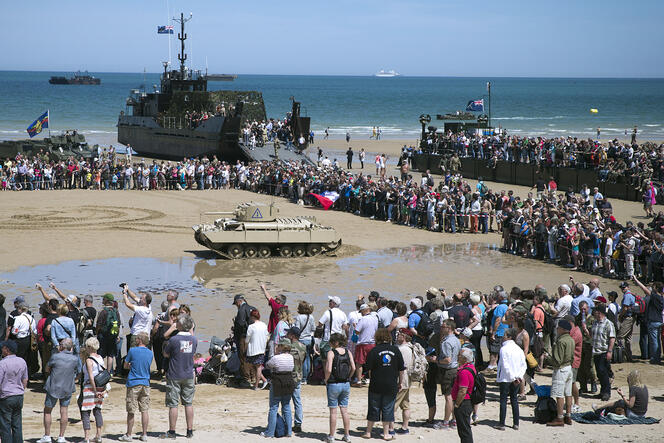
[[281, 428]]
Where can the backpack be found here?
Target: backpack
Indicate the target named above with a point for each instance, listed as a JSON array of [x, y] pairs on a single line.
[[639, 307], [430, 181], [479, 387], [82, 322], [425, 326], [280, 429], [484, 189], [545, 410], [341, 366], [420, 363], [549, 323], [112, 321], [618, 355]]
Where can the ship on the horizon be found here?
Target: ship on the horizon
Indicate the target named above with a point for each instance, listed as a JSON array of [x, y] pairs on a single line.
[[384, 73], [79, 78]]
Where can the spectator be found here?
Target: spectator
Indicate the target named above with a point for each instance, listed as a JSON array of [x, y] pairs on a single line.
[[387, 372], [13, 381], [339, 366], [333, 321], [23, 326], [561, 360], [275, 303], [404, 337], [256, 341], [93, 395], [142, 319], [366, 330], [138, 362], [461, 394], [281, 366], [63, 368], [180, 350], [108, 330], [306, 323], [603, 339], [298, 351], [511, 369], [240, 325]]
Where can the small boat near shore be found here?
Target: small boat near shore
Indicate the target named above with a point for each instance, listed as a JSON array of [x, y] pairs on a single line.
[[79, 78]]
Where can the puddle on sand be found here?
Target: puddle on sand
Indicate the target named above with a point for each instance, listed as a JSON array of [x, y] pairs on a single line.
[[208, 285]]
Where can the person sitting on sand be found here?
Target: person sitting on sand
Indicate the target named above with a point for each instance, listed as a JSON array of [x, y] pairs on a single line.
[[636, 403]]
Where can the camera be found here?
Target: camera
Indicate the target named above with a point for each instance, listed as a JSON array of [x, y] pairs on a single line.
[[123, 285]]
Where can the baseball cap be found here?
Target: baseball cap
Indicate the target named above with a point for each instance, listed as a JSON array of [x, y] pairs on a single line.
[[416, 302], [295, 331], [624, 285], [71, 298], [564, 324], [364, 306], [285, 342], [238, 297], [108, 297], [10, 344], [19, 299], [336, 300], [433, 291]]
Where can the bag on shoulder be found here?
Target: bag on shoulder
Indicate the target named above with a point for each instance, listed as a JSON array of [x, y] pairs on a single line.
[[103, 377], [82, 324], [639, 307], [548, 325], [479, 387], [420, 364], [425, 326], [341, 366]]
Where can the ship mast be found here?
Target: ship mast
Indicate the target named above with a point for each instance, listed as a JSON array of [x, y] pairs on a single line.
[[182, 37]]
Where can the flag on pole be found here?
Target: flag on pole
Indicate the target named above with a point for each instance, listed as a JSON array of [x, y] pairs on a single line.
[[39, 124], [475, 105], [327, 199], [164, 29]]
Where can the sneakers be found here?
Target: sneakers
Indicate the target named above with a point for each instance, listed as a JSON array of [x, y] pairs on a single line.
[[143, 437], [453, 424], [576, 408], [346, 438], [45, 439], [474, 419], [170, 434], [190, 433], [330, 438], [556, 422], [594, 406], [441, 425], [125, 437], [297, 429], [403, 431]]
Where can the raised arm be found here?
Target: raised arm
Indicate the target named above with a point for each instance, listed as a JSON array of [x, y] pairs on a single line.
[[266, 294], [127, 302], [57, 291], [131, 294], [46, 296], [641, 285]]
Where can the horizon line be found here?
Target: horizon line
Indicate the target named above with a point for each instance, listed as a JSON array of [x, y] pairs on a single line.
[[374, 76]]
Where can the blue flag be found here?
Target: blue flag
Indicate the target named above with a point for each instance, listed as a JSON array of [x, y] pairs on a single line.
[[37, 125], [164, 29], [475, 105]]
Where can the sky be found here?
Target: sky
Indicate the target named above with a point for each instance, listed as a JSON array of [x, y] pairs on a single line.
[[509, 38]]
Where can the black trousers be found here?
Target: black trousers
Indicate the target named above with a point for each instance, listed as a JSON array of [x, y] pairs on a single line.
[[462, 416], [603, 368]]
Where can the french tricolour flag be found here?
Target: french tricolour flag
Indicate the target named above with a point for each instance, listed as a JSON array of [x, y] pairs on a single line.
[[327, 198]]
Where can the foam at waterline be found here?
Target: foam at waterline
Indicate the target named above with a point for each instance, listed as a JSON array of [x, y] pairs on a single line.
[[557, 117]]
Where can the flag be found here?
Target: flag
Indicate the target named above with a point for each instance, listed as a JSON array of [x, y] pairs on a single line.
[[327, 198], [475, 105], [164, 29], [39, 124]]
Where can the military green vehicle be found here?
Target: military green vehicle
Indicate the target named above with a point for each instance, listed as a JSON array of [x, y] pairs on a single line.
[[254, 230], [56, 147]]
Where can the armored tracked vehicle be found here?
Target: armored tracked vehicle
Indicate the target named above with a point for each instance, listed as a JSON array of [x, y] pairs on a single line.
[[55, 147], [254, 230]]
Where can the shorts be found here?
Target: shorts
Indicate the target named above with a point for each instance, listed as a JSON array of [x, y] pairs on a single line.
[[337, 394], [446, 379], [361, 352], [575, 373], [494, 346], [138, 399], [561, 382], [256, 359], [50, 402], [180, 391], [380, 407], [108, 345], [403, 399]]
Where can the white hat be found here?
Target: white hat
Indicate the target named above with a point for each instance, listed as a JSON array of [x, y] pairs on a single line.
[[364, 306], [416, 302], [335, 299]]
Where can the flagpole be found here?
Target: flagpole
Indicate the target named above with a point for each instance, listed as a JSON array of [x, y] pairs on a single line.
[[170, 33], [488, 86], [48, 116]]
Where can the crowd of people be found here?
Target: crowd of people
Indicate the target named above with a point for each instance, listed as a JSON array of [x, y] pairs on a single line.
[[385, 345], [613, 159]]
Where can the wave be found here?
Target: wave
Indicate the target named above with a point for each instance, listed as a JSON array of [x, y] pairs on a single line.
[[653, 126]]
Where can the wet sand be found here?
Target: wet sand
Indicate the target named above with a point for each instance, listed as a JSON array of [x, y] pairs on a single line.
[[89, 241]]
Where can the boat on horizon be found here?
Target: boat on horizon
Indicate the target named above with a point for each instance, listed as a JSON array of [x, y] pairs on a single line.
[[79, 78], [389, 73]]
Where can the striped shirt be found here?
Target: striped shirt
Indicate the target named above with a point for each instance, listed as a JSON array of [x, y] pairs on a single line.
[[602, 332]]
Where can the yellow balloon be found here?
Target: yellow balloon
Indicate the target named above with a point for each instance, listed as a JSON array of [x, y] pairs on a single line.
[[594, 111]]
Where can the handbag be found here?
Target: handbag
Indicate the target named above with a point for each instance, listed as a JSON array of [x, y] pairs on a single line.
[[320, 329], [102, 378], [531, 361]]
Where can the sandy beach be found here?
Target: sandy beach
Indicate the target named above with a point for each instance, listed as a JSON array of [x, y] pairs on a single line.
[[89, 241]]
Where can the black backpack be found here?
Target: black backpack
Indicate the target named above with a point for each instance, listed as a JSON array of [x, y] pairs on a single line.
[[341, 366], [545, 410], [479, 388], [549, 322], [425, 326]]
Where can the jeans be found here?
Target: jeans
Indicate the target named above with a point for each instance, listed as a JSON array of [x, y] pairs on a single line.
[[297, 404], [11, 429], [462, 417], [512, 390], [603, 368], [272, 414], [306, 364], [643, 340], [476, 340], [654, 332]]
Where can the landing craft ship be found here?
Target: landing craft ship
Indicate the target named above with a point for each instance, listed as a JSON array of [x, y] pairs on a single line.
[[78, 79], [159, 124], [254, 230]]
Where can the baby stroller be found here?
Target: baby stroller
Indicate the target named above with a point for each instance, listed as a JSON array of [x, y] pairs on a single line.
[[214, 369]]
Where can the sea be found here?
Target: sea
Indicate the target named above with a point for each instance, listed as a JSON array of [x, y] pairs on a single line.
[[355, 104]]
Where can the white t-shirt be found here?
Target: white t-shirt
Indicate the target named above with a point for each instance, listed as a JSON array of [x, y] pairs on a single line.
[[339, 319], [142, 320], [563, 305], [257, 336]]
